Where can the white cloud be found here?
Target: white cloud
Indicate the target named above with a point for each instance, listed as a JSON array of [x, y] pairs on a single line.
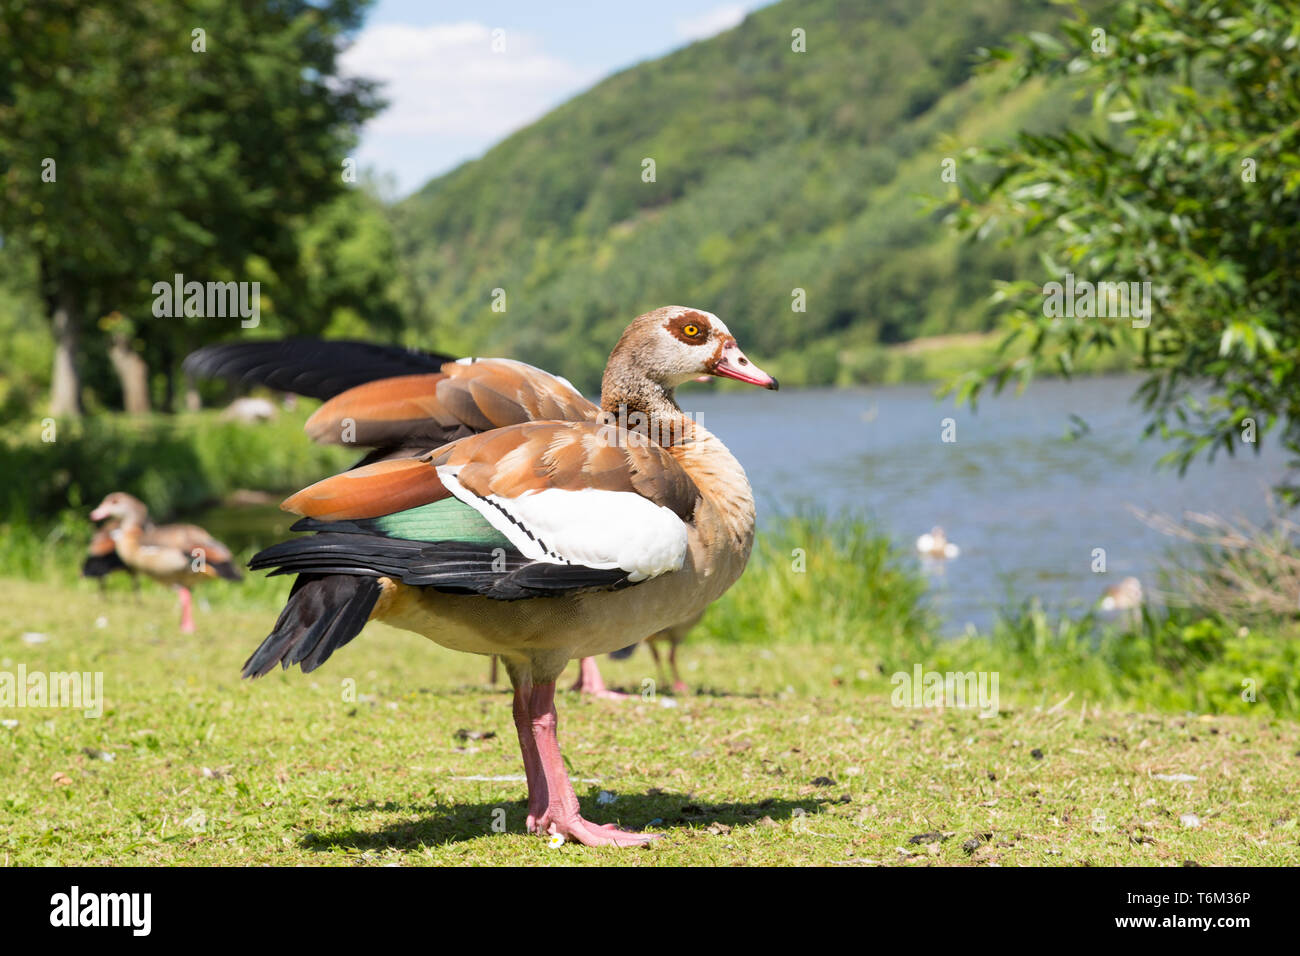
[[447, 79], [711, 23], [450, 95]]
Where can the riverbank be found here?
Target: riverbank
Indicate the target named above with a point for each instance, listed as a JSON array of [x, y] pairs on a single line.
[[927, 360]]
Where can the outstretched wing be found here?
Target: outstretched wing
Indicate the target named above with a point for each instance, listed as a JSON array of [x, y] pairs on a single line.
[[402, 402], [464, 398]]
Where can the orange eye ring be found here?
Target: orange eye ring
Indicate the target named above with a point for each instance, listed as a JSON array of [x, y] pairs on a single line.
[[691, 330]]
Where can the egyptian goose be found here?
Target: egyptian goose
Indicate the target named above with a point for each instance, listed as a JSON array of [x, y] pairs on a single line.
[[559, 537], [176, 554], [936, 545], [412, 401]]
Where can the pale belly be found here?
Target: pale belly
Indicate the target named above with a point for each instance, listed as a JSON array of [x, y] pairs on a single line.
[[542, 634]]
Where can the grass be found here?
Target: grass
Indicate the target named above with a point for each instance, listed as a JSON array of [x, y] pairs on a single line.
[[790, 753]]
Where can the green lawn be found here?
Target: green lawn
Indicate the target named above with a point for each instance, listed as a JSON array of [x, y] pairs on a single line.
[[784, 757]]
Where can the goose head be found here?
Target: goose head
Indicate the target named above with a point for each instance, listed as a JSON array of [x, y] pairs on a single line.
[[674, 345], [126, 508]]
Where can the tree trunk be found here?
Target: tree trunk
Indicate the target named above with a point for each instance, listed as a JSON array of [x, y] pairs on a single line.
[[133, 373], [192, 400], [169, 379], [65, 383]]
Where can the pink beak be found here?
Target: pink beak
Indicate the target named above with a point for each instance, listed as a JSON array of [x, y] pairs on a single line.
[[732, 363], [100, 513]]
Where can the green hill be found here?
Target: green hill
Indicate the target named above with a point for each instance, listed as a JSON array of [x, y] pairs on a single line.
[[775, 171]]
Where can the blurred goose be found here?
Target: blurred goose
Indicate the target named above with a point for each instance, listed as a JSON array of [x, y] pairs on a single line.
[[558, 537], [1125, 596], [936, 545], [179, 555]]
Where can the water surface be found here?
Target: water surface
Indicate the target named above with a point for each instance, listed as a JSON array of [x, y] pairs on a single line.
[[1026, 506]]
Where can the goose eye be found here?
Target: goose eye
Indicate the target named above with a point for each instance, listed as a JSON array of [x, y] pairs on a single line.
[[691, 330]]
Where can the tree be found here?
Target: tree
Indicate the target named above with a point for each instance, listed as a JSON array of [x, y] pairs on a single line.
[[1191, 182], [141, 140]]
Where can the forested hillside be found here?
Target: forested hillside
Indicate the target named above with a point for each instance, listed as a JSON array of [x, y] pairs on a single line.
[[774, 170]]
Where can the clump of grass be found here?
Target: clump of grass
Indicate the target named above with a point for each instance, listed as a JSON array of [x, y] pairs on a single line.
[[1238, 569], [1178, 660], [815, 580]]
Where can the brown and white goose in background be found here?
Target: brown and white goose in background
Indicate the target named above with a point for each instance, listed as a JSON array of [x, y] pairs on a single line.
[[539, 541], [179, 555]]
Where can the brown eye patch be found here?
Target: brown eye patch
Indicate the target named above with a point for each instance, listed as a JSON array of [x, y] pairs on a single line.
[[690, 328]]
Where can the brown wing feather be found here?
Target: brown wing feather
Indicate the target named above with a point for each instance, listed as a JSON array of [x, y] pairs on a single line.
[[369, 491], [510, 393], [572, 456], [458, 401], [509, 462]]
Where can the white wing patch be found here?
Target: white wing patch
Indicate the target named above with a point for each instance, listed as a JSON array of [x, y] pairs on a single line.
[[592, 527]]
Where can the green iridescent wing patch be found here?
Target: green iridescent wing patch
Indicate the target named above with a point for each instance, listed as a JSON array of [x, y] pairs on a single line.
[[445, 520]]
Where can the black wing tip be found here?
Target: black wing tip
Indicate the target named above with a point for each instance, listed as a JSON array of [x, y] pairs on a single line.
[[457, 567], [240, 358]]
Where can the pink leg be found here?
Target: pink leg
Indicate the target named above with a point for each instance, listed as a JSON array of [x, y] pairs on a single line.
[[679, 685], [537, 794], [591, 683], [187, 612], [563, 815]]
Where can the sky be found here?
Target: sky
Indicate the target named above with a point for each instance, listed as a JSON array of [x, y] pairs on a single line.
[[452, 95]]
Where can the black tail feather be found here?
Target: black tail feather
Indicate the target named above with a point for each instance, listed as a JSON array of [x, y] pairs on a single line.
[[99, 565], [324, 612], [227, 570]]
